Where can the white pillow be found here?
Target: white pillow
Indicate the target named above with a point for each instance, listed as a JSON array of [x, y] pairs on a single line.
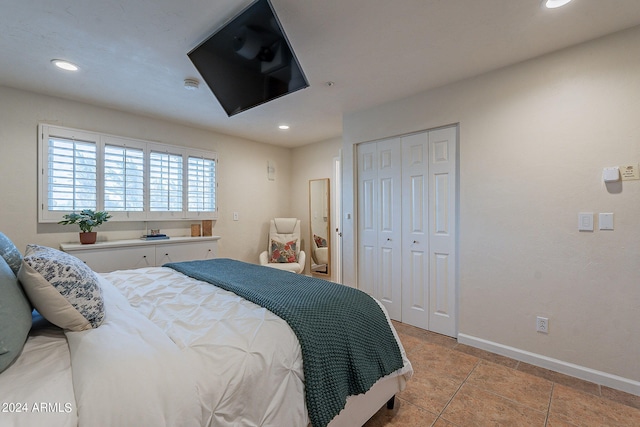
[[62, 288]]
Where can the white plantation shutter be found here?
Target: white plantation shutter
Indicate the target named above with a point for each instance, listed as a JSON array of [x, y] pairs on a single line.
[[72, 175], [123, 179], [201, 177], [130, 178], [165, 182]]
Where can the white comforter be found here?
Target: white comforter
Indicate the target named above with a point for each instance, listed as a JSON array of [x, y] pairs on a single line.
[[172, 351], [240, 352], [127, 372], [36, 391]]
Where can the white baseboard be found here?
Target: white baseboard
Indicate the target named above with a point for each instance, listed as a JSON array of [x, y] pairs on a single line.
[[588, 374]]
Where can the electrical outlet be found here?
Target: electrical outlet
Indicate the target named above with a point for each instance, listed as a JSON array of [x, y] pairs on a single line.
[[542, 324]]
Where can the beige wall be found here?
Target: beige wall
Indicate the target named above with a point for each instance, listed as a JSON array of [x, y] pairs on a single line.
[[242, 174], [534, 139], [313, 161]]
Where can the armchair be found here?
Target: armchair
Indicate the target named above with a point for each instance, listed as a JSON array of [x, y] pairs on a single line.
[[284, 246], [319, 255]]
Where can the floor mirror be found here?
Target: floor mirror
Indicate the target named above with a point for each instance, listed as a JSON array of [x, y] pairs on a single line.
[[319, 220]]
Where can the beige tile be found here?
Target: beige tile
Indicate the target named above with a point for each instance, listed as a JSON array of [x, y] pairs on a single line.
[[429, 390], [442, 340], [441, 422], [444, 361], [410, 343], [472, 406], [528, 390], [558, 378], [425, 335], [620, 397], [487, 355], [403, 415], [553, 421], [492, 390], [408, 329], [424, 370], [384, 415], [584, 409]]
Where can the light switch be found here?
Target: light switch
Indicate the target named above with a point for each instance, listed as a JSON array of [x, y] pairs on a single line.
[[605, 221], [585, 221]]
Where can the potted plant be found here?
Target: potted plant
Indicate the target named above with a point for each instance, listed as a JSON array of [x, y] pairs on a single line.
[[87, 220]]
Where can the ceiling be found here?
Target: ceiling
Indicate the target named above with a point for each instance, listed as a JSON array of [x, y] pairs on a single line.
[[132, 54]]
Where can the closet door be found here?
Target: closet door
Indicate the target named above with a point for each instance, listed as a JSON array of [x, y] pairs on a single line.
[[389, 284], [379, 222], [407, 202], [415, 230], [442, 231], [367, 217]]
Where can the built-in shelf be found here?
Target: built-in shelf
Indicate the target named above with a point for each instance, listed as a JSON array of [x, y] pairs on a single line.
[[114, 255]]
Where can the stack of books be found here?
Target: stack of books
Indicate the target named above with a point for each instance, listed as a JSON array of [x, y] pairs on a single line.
[[154, 237]]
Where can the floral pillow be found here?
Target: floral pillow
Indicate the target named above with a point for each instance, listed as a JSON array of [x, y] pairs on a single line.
[[62, 288], [321, 242], [283, 252]]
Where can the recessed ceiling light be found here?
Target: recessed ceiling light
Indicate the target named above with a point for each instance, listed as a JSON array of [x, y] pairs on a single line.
[[552, 4], [283, 127], [65, 65]]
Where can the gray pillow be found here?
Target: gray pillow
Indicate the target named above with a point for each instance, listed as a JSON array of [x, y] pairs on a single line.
[[62, 288], [15, 316], [10, 253]]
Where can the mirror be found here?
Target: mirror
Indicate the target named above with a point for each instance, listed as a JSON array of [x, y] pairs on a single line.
[[320, 225]]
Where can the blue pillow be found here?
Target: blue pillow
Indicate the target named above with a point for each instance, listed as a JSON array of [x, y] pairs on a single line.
[[10, 253], [15, 316]]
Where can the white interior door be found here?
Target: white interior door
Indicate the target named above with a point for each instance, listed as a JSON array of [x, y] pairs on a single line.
[[415, 230], [389, 283], [443, 305], [379, 222], [367, 217], [336, 219]]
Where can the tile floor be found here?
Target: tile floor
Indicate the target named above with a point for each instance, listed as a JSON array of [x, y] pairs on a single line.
[[455, 385]]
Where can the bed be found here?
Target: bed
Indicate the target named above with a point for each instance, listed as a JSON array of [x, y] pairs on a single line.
[[170, 350]]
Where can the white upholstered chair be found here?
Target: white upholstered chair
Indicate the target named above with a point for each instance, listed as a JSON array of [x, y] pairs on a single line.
[[284, 240], [319, 257]]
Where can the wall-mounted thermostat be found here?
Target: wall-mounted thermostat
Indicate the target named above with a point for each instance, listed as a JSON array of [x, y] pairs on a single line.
[[611, 174]]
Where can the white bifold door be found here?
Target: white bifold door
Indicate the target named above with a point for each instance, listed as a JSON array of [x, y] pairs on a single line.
[[407, 193]]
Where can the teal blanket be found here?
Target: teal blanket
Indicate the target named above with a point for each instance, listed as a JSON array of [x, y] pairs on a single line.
[[346, 341]]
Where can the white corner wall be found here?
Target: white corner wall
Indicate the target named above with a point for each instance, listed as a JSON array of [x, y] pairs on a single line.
[[534, 139], [312, 161], [242, 174]]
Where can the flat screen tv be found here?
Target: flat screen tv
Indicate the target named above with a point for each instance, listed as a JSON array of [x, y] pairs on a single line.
[[249, 61]]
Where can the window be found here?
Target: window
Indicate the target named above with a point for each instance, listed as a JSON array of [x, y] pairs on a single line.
[[165, 186], [202, 189], [132, 179], [72, 176], [123, 178]]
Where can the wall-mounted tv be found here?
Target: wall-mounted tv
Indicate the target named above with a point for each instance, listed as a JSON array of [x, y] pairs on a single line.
[[249, 61]]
